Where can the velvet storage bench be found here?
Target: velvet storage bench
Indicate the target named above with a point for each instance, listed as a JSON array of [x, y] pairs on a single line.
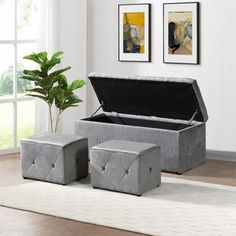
[[56, 158], [124, 166], [169, 112]]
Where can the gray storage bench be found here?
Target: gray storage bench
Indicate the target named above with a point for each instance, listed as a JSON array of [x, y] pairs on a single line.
[[169, 112], [57, 158], [125, 166]]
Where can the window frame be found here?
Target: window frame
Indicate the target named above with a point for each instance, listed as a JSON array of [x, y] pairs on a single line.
[[15, 99]]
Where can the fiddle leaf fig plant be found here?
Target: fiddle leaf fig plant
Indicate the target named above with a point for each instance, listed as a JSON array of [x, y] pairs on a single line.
[[52, 85]]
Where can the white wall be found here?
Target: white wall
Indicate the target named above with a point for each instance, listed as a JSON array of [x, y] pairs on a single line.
[[216, 75], [89, 37], [70, 36]]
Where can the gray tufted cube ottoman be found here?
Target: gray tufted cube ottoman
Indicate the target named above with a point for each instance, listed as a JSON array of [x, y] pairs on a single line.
[[125, 166], [57, 158]]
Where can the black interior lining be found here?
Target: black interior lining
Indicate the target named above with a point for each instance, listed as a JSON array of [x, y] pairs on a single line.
[[174, 100], [138, 122]]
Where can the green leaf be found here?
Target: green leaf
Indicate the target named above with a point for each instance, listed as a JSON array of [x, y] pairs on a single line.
[[47, 83], [44, 68], [32, 72], [53, 62], [50, 64], [38, 90], [57, 54], [33, 57], [31, 78], [39, 58], [72, 99], [58, 72], [43, 56], [76, 84], [62, 81], [38, 96]]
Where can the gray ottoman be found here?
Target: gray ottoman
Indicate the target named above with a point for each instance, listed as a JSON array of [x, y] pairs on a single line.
[[124, 166], [56, 158]]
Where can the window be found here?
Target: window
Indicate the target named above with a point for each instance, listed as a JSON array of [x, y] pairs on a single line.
[[19, 29]]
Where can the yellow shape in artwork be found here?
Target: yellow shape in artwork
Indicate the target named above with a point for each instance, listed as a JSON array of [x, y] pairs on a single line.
[[134, 18], [142, 48]]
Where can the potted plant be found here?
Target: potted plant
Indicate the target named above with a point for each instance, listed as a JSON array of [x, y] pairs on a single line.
[[51, 85]]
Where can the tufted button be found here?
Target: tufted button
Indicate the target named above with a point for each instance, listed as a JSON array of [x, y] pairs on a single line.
[[150, 169], [169, 151], [33, 162], [103, 168], [127, 172], [53, 166]]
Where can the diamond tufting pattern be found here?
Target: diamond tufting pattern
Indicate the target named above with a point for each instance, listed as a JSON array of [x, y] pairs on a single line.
[[58, 163], [118, 167]]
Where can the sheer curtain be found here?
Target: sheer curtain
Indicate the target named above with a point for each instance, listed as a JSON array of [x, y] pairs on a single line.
[[47, 36]]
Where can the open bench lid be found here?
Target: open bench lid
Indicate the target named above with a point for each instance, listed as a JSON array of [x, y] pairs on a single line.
[[173, 98]]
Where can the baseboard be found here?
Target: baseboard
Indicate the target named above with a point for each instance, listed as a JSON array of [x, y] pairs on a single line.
[[221, 155], [9, 151]]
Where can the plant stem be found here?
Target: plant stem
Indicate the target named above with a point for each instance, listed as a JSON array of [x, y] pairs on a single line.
[[57, 120], [50, 115]]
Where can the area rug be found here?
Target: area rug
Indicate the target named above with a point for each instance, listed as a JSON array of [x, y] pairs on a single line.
[[178, 207]]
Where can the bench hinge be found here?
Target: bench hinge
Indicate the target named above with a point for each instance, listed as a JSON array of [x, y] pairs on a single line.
[[192, 118], [102, 104]]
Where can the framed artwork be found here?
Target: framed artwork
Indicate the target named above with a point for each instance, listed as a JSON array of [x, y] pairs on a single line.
[[134, 32], [181, 33]]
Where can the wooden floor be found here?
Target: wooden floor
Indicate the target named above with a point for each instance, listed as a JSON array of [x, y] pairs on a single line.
[[18, 223]]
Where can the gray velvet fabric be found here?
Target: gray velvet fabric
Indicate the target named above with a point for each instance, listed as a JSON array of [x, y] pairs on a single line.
[[124, 166], [180, 150], [61, 140], [57, 158], [125, 147], [137, 77]]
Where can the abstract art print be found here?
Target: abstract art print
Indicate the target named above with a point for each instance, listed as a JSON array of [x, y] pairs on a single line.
[[181, 33], [134, 32]]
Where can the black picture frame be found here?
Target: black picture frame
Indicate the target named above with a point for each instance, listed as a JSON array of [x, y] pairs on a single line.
[[135, 57], [193, 59]]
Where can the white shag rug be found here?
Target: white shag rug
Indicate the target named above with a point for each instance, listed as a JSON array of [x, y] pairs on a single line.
[[178, 207]]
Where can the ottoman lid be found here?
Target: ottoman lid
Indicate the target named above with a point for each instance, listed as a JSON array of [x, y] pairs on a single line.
[[165, 97], [53, 139], [136, 148]]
